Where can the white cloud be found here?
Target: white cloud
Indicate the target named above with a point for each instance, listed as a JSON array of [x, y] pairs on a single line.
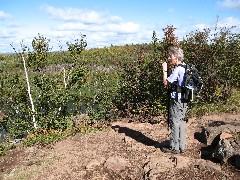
[[13, 24], [124, 27], [230, 4], [101, 29], [229, 23], [73, 14], [71, 26], [4, 15], [200, 26], [5, 33], [115, 18]]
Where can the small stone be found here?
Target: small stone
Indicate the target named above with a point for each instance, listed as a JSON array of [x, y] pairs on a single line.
[[225, 136]]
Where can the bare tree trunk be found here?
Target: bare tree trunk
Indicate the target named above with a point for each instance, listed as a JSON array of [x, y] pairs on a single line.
[[29, 93], [64, 77]]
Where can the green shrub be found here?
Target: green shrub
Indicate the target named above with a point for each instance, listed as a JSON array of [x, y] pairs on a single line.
[[43, 138], [5, 147], [216, 55], [113, 81]]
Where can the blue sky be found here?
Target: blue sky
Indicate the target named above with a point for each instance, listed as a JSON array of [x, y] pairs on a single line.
[[106, 22]]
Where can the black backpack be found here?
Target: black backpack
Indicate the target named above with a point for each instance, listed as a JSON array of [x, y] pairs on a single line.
[[192, 82]]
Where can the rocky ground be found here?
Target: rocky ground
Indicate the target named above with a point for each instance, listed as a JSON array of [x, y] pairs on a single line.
[[126, 150]]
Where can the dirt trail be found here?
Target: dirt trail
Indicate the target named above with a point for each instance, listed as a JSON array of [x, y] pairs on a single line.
[[123, 151]]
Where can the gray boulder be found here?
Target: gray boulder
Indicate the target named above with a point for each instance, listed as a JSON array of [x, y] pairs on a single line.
[[211, 134], [228, 150], [222, 140]]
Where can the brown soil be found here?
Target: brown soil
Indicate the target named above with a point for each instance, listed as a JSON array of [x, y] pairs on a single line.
[[123, 151]]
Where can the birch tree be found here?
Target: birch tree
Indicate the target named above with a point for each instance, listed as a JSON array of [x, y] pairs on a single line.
[[29, 92], [27, 82]]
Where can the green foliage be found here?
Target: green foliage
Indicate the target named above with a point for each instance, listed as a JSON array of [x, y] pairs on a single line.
[[231, 105], [53, 98], [2, 58], [98, 92], [14, 104], [5, 147], [217, 58], [43, 138], [38, 56], [112, 81], [75, 48], [141, 91], [52, 92], [2, 61]]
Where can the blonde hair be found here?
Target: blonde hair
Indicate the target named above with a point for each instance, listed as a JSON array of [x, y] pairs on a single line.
[[177, 52]]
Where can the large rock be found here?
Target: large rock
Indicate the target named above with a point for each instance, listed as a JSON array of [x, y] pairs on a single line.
[[222, 140], [211, 135], [228, 150]]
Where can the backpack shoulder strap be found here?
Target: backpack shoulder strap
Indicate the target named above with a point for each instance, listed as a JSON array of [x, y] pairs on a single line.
[[182, 65]]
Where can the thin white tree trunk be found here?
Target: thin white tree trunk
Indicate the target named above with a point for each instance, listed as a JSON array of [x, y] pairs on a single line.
[[69, 73], [65, 80], [29, 93], [64, 77]]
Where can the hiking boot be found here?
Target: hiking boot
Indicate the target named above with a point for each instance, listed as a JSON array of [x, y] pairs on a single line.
[[167, 150], [182, 151]]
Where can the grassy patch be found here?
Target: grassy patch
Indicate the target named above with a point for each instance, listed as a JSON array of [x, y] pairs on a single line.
[[4, 147], [231, 105]]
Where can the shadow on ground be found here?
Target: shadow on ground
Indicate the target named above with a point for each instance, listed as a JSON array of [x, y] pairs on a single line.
[[140, 137]]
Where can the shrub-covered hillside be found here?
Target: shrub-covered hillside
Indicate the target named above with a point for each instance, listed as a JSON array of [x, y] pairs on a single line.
[[41, 89]]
